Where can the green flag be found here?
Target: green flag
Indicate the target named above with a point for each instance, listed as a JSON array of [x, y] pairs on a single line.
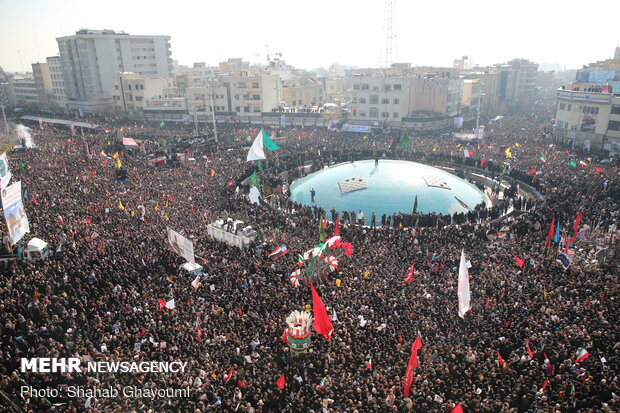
[[267, 142], [254, 180], [260, 165], [572, 163], [405, 141], [162, 123], [21, 165]]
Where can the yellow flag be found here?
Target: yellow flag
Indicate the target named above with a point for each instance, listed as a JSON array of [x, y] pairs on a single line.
[[308, 308], [338, 282], [166, 202], [545, 293], [366, 274], [118, 165], [212, 172], [434, 149], [120, 205], [508, 153], [517, 144], [133, 213], [157, 207], [115, 155]]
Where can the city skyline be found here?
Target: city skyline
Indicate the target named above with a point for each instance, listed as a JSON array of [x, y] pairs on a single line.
[[314, 36]]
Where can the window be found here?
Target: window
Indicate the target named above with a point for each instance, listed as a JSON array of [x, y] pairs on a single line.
[[388, 88], [562, 106], [255, 85], [257, 109], [385, 101], [356, 87], [398, 87], [615, 109], [256, 97], [374, 99], [374, 113], [396, 101], [363, 114], [237, 109], [362, 100], [365, 86], [614, 125], [568, 108], [241, 85], [385, 115], [246, 109], [395, 114]]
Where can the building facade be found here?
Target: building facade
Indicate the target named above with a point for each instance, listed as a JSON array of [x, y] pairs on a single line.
[[59, 95], [91, 59], [130, 89]]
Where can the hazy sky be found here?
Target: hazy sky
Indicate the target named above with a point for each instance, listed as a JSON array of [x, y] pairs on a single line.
[[317, 33]]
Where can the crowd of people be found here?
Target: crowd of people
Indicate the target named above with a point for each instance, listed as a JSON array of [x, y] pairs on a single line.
[[99, 297]]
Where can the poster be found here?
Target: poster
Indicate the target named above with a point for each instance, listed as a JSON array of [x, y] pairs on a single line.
[[14, 212], [5, 173], [181, 245]]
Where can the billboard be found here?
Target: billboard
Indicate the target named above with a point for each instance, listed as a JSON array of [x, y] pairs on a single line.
[[181, 245], [14, 212], [5, 173]]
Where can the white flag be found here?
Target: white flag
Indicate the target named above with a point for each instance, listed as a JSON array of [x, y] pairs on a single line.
[[170, 304], [196, 282], [257, 150], [463, 289]]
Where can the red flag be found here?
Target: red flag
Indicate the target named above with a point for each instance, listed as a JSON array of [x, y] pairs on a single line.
[[142, 332], [88, 220], [337, 225], [400, 338], [519, 261], [545, 384], [598, 170], [34, 199], [550, 234], [199, 335], [482, 162], [413, 363], [229, 375], [529, 351], [285, 336], [501, 360], [458, 408], [162, 304], [231, 182], [59, 218], [488, 304], [324, 222], [281, 382], [410, 273], [322, 324], [532, 171]]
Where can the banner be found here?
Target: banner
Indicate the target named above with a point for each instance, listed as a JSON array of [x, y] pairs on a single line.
[[14, 213], [356, 128], [5, 173], [181, 245]]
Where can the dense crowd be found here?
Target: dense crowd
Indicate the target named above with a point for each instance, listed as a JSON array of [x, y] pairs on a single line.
[[99, 297]]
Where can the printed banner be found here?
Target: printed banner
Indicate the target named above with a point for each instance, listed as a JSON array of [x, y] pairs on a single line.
[[356, 128], [5, 173], [181, 245], [14, 212]]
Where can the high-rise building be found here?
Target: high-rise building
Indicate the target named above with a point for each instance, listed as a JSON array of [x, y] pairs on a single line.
[[58, 84], [43, 80], [588, 111], [91, 59]]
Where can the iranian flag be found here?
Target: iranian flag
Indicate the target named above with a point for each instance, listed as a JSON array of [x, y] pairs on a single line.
[[410, 273], [278, 252], [582, 163], [543, 158], [582, 354]]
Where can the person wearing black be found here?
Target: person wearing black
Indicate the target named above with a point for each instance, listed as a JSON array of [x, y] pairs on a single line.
[[312, 194]]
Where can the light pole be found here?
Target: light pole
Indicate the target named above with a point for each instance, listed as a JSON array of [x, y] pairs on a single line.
[[213, 110]]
